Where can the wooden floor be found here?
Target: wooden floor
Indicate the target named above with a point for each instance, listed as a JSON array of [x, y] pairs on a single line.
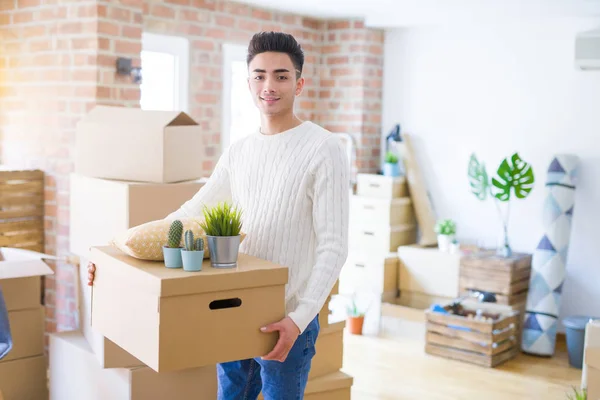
[[395, 366]]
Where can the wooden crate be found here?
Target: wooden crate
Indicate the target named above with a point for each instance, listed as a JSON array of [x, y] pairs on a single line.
[[507, 278], [22, 209], [487, 342]]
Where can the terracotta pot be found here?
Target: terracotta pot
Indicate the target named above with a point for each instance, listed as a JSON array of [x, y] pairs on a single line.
[[355, 325]]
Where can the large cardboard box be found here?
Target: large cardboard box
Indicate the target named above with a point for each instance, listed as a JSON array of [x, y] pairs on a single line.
[[101, 208], [371, 273], [386, 212], [329, 349], [27, 331], [171, 319], [335, 386], [107, 353], [76, 375], [20, 278], [592, 340], [24, 379], [377, 239], [592, 360], [132, 144]]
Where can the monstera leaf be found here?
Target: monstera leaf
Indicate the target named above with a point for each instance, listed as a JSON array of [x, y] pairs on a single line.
[[478, 178], [515, 174]]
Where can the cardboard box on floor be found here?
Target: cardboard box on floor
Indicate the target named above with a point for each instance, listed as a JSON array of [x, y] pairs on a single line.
[[20, 278], [27, 331], [138, 145], [102, 208], [76, 375], [592, 361], [335, 386], [24, 379], [329, 349], [171, 319], [592, 341]]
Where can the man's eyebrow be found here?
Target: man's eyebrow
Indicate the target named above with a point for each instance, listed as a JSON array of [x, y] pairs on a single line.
[[279, 70]]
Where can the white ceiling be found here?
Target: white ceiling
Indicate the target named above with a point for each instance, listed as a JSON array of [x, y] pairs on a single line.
[[398, 13]]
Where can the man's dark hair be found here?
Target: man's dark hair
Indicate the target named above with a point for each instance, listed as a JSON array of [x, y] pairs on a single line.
[[278, 42]]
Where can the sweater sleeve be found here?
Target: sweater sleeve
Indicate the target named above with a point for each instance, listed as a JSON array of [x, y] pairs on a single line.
[[330, 198], [215, 190]]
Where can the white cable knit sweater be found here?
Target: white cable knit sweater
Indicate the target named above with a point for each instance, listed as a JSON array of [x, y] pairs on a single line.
[[293, 188]]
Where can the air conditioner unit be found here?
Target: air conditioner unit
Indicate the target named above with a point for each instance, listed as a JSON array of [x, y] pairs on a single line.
[[587, 50]]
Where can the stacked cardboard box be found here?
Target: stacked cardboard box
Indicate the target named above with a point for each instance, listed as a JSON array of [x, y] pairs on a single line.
[[590, 377], [23, 370]]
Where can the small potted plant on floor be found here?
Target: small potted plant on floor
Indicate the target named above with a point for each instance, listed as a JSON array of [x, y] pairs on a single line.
[[172, 250], [446, 231], [223, 225], [391, 167], [355, 318], [192, 254]]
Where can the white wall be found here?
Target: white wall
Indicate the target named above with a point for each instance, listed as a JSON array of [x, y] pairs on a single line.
[[495, 90]]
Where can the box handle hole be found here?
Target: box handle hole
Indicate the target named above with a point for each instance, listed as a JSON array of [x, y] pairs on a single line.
[[369, 208], [225, 303], [360, 265], [375, 185], [369, 233]]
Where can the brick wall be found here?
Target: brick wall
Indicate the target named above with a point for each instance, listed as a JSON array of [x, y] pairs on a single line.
[[57, 59]]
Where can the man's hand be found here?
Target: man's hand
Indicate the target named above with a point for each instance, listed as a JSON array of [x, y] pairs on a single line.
[[288, 333], [91, 273]]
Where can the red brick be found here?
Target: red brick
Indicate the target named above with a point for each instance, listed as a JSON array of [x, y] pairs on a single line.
[[334, 25], [248, 25], [273, 28], [337, 60], [203, 45], [178, 2], [131, 32], [358, 24], [32, 31], [158, 10], [119, 14], [87, 10], [129, 94], [216, 33], [331, 49], [127, 47], [310, 23], [262, 14], [224, 21], [230, 7], [27, 3], [22, 17]]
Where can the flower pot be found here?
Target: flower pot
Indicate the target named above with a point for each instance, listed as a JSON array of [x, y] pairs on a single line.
[[390, 169], [444, 242], [223, 250], [192, 260], [172, 257], [355, 324]]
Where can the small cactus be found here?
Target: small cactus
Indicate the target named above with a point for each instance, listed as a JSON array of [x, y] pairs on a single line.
[[189, 240], [175, 234], [199, 244]]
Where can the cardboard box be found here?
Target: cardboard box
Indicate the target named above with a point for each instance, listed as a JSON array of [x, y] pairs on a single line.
[[20, 278], [380, 186], [107, 353], [24, 379], [27, 330], [592, 360], [171, 319], [76, 375], [335, 386], [102, 208], [386, 212], [138, 145], [592, 340], [329, 348], [428, 271], [364, 272]]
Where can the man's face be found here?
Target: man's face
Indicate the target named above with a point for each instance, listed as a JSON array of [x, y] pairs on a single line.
[[273, 84]]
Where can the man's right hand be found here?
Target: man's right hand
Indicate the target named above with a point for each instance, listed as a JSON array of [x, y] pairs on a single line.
[[91, 273]]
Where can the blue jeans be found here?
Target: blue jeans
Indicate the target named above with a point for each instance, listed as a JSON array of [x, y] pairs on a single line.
[[245, 379]]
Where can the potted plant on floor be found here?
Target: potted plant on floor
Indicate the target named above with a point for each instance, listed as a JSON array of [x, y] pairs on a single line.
[[172, 250], [223, 225], [193, 253], [355, 319], [446, 233], [391, 166]]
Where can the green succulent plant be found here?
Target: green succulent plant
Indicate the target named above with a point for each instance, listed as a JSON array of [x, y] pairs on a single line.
[[175, 234], [391, 158], [445, 227], [224, 219]]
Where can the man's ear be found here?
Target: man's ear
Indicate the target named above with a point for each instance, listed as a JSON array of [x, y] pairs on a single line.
[[299, 86]]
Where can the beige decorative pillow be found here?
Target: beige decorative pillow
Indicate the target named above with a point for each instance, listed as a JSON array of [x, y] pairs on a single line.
[[146, 241]]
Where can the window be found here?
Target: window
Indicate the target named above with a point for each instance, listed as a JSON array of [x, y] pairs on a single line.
[[240, 115], [165, 73]]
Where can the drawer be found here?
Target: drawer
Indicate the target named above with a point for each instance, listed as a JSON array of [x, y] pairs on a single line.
[[379, 186], [398, 211], [373, 274], [378, 240]]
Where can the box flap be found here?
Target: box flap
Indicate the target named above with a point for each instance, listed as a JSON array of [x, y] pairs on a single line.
[[157, 279], [108, 115], [336, 380], [18, 263], [592, 357]]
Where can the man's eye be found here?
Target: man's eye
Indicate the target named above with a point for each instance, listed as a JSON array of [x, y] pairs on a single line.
[[282, 77], [258, 78]]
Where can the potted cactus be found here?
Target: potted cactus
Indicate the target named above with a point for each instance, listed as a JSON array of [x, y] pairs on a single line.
[[223, 225], [192, 254], [172, 250]]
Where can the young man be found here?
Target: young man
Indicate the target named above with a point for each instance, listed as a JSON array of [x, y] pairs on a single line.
[[291, 178]]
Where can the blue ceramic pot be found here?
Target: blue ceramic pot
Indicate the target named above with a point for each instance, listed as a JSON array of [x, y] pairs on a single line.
[[391, 169], [192, 260], [172, 257]]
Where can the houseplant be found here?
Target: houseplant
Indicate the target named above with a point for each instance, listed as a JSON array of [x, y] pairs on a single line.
[[172, 250], [192, 254], [446, 232], [355, 319], [391, 166], [223, 225], [577, 395], [514, 178]]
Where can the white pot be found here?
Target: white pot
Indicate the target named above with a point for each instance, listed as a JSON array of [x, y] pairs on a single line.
[[444, 242]]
